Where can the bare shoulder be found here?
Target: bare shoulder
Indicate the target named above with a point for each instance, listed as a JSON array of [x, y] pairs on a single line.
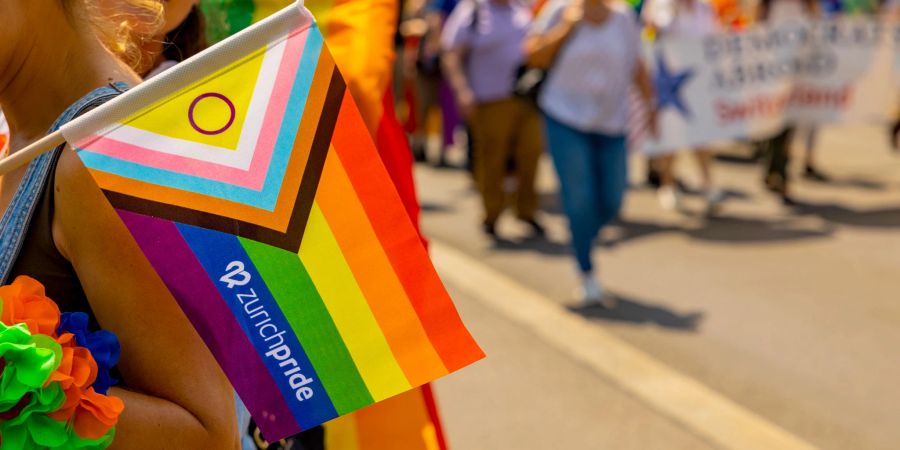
[[79, 206]]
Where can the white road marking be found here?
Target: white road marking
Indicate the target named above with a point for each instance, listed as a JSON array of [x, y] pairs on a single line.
[[708, 414]]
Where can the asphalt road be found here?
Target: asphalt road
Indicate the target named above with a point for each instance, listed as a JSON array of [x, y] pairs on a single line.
[[790, 313]]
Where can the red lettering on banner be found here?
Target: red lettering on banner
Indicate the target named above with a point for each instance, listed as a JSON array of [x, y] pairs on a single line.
[[762, 107]]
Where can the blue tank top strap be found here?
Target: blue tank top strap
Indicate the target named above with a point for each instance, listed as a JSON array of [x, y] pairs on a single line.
[[17, 218]]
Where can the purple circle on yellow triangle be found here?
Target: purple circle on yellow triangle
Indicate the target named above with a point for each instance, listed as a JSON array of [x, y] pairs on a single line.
[[231, 117]]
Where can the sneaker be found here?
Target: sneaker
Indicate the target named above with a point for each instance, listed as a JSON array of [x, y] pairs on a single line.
[[442, 161], [490, 229], [811, 173], [653, 177], [714, 199], [536, 228], [418, 150], [668, 198], [591, 293]]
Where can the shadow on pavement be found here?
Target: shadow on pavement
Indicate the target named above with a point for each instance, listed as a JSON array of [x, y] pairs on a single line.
[[875, 218], [855, 183], [539, 245], [746, 230], [633, 311], [723, 229]]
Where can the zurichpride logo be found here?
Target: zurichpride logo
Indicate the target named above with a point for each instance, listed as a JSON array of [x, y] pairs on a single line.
[[237, 276]]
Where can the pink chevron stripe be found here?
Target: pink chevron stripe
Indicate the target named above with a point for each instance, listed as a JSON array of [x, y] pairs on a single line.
[[253, 178], [284, 82]]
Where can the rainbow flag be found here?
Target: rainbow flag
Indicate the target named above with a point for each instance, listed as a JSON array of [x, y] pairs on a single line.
[[250, 181], [360, 35]]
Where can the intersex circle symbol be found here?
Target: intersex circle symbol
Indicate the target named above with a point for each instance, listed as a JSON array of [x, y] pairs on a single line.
[[212, 95]]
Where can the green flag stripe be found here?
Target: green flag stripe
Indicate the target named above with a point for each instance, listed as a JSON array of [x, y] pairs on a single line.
[[296, 295]]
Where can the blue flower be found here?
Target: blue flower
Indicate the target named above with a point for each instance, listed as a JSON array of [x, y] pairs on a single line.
[[103, 345]]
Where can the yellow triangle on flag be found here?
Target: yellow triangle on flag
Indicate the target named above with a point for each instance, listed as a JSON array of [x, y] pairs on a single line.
[[213, 110]]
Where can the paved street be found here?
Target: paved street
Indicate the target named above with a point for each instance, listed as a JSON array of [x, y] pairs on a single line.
[[790, 316]]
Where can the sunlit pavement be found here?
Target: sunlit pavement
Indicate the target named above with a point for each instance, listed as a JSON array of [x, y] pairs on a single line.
[[792, 314]]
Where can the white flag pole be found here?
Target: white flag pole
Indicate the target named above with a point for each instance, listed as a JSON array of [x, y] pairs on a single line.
[[24, 156], [179, 77]]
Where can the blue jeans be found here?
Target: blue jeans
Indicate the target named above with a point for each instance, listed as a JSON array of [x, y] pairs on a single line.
[[592, 170]]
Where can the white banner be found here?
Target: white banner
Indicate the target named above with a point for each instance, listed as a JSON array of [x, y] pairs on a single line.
[[751, 84]]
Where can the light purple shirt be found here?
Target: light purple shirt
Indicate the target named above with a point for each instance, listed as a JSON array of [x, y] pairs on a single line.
[[493, 42]]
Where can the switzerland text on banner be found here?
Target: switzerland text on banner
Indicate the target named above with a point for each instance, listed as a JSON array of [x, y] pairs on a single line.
[[751, 83], [249, 180]]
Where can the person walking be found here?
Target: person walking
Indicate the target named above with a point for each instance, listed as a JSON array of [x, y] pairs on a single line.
[[592, 49], [482, 42], [778, 147], [683, 19]]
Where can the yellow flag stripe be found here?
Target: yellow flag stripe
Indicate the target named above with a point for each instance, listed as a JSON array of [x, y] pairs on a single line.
[[341, 294]]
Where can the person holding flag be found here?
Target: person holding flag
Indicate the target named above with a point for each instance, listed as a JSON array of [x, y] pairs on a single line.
[[249, 180], [59, 229]]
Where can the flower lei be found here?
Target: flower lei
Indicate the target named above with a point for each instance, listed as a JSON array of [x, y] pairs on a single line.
[[54, 374]]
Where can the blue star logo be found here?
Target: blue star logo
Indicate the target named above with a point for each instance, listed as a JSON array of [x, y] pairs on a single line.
[[669, 86]]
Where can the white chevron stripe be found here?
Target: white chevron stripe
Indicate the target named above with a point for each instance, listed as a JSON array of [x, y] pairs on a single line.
[[239, 158]]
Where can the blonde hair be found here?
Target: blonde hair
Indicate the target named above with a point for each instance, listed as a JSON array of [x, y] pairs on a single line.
[[123, 25]]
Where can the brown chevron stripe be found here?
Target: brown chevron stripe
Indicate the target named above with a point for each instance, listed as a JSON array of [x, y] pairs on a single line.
[[317, 155], [289, 240]]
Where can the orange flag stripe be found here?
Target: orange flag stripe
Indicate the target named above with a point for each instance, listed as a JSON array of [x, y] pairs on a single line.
[[375, 275], [421, 282]]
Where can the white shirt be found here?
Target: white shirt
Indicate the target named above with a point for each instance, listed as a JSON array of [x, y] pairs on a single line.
[[587, 86], [679, 18]]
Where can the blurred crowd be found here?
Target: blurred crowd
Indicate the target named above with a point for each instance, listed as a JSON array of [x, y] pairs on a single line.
[[508, 80]]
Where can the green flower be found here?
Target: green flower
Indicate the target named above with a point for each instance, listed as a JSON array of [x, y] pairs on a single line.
[[28, 362]]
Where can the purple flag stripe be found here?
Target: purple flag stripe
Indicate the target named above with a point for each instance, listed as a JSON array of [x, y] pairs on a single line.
[[204, 307]]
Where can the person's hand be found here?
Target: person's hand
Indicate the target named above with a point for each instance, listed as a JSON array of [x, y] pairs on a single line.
[[408, 65], [466, 101], [432, 47], [653, 122], [574, 12]]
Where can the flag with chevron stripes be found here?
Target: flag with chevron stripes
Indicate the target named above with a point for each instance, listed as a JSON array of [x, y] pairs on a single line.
[[250, 181]]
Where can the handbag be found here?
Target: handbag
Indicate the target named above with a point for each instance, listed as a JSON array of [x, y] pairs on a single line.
[[528, 83], [529, 80]]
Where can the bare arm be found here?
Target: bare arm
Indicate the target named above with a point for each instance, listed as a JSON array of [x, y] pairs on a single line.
[[452, 62], [435, 22], [645, 88], [177, 397], [643, 83], [541, 49]]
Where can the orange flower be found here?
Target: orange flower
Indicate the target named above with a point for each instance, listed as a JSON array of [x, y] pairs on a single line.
[[77, 370], [96, 414], [24, 302]]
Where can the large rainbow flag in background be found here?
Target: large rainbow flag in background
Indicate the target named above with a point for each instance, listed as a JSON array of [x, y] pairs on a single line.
[[250, 180], [360, 35]]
